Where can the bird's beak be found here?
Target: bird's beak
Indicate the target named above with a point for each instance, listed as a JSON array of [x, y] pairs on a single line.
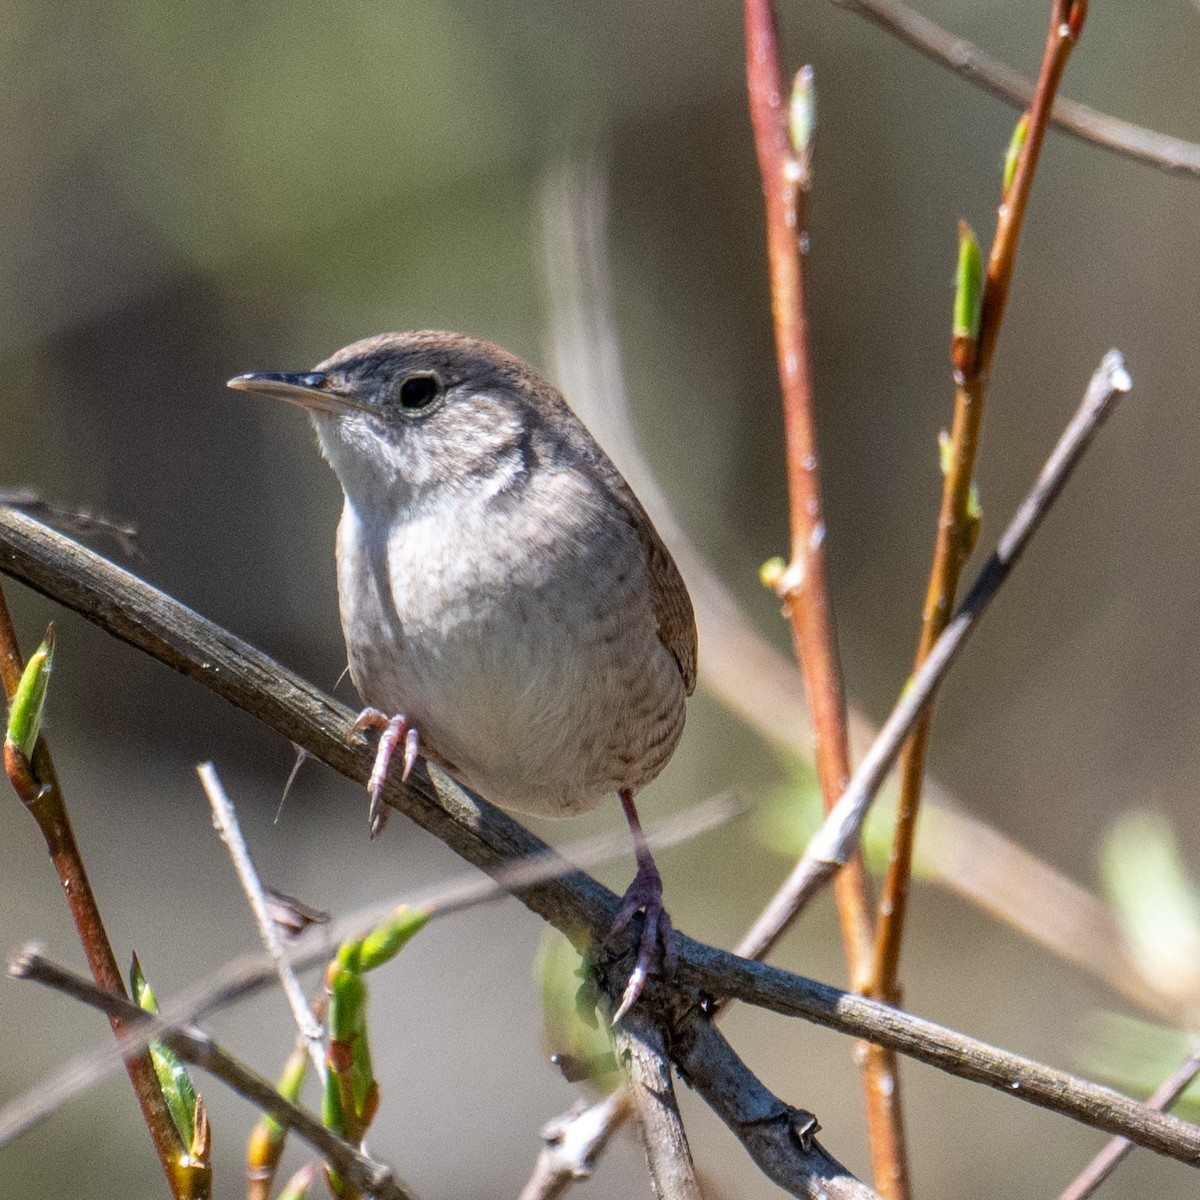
[[312, 390]]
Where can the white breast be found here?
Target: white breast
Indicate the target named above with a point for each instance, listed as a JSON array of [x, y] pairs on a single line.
[[526, 652]]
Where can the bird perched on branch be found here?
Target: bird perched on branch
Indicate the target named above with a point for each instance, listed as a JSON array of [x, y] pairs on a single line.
[[509, 610]]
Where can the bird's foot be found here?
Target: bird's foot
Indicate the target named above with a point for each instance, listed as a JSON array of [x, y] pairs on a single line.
[[645, 895], [392, 731]]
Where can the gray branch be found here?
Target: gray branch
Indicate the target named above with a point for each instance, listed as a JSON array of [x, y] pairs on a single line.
[[964, 58], [196, 1047], [668, 1155], [781, 1139]]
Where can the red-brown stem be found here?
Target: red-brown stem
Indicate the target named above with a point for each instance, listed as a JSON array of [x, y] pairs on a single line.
[[41, 795], [803, 588], [950, 551]]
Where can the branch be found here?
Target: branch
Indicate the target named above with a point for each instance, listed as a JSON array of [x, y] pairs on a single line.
[[668, 1156], [36, 783], [196, 1047], [573, 1142], [1169, 154], [972, 351], [784, 161], [781, 1139], [839, 835], [1117, 1150], [229, 830]]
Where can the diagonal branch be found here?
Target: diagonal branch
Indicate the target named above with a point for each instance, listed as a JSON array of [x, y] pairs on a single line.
[[1170, 154], [196, 1047], [1118, 1149]]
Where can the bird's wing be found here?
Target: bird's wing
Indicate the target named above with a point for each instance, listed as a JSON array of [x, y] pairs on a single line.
[[668, 592]]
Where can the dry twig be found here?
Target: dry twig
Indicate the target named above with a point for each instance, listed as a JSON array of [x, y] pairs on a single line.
[[1118, 1149], [229, 830], [668, 1156], [1170, 154], [196, 1047]]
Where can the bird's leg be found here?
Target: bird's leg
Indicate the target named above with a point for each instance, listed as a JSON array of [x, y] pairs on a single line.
[[644, 894], [392, 731]]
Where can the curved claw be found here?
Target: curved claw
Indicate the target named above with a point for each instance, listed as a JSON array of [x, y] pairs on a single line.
[[645, 895], [392, 731]]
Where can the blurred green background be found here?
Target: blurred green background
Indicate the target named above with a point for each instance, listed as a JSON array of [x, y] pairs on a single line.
[[192, 191]]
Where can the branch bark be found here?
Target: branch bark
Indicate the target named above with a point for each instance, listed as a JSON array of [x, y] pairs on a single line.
[[668, 1155], [137, 613], [1170, 154]]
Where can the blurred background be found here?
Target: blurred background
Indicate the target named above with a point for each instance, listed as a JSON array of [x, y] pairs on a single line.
[[193, 191]]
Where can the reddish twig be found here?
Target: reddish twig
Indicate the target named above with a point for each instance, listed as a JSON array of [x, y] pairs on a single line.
[[972, 364], [37, 785], [802, 586]]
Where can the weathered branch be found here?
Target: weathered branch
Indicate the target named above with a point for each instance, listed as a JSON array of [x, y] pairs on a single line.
[[573, 1142], [136, 612], [781, 1139], [1170, 154], [196, 1047], [668, 1155]]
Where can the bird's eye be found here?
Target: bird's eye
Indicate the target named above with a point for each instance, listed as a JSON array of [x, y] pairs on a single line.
[[418, 391]]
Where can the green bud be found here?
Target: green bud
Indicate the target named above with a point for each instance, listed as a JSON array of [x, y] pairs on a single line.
[[802, 112], [29, 702], [1013, 154], [177, 1088], [968, 290]]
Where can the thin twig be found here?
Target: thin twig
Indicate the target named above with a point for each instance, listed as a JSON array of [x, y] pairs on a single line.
[[748, 675], [225, 822], [573, 1143], [247, 976], [1117, 1150], [39, 790], [972, 360], [668, 1156], [1170, 154], [715, 973], [839, 835], [786, 177], [195, 1046]]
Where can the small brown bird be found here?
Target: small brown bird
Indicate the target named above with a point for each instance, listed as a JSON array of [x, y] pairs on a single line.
[[502, 590]]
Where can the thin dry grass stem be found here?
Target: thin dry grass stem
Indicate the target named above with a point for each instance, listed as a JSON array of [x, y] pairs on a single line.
[[972, 363], [1118, 1149], [229, 830], [36, 782], [802, 586], [1170, 154]]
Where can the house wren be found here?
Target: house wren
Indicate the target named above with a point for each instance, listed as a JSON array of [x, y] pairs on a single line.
[[502, 590]]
